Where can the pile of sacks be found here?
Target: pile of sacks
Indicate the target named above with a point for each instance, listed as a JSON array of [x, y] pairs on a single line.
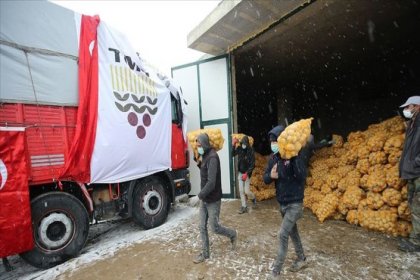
[[257, 186], [215, 137], [358, 180]]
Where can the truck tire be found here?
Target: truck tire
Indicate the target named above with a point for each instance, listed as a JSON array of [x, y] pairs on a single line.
[[60, 225], [150, 203]]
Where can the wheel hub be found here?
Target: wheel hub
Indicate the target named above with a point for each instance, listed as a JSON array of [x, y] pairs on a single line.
[[55, 230], [152, 202]]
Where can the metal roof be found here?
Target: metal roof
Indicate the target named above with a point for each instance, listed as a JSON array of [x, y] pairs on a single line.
[[232, 23]]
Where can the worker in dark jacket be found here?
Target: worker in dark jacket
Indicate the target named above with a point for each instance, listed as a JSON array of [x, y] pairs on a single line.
[[410, 170], [246, 164], [289, 177], [210, 197]]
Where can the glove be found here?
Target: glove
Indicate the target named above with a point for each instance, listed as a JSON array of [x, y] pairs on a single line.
[[244, 176], [194, 201], [235, 141], [330, 143]]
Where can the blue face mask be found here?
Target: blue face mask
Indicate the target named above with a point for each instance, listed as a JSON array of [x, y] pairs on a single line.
[[200, 150], [275, 148]]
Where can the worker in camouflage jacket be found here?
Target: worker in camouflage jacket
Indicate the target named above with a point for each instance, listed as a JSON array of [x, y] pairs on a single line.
[[410, 170]]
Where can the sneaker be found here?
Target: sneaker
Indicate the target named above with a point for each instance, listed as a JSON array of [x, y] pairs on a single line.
[[408, 246], [234, 240], [243, 210], [200, 258], [299, 264], [254, 201]]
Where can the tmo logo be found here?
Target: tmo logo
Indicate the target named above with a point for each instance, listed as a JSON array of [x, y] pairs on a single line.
[[3, 174]]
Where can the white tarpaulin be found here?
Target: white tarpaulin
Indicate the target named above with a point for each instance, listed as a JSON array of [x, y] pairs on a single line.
[[134, 114]]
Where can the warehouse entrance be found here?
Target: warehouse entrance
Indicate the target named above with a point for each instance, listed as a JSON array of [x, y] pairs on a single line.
[[347, 64], [206, 87]]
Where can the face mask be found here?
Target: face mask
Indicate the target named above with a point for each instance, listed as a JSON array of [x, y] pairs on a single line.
[[200, 150], [408, 114], [275, 148], [244, 147]]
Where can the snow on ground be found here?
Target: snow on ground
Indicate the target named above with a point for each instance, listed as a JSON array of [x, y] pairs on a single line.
[[103, 241], [335, 250]]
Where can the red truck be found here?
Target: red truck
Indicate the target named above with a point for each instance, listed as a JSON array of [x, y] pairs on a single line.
[[41, 102]]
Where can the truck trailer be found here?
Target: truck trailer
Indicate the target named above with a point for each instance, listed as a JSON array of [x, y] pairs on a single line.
[[89, 132]]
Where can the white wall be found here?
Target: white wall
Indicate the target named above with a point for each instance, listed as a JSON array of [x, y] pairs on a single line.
[[208, 81]]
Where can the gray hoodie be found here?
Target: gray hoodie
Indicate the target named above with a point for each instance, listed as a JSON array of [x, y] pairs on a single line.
[[203, 139], [211, 183]]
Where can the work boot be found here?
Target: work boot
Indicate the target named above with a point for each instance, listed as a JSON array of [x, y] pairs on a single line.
[[234, 240], [407, 246], [200, 258], [254, 201], [243, 210], [7, 265], [299, 264], [274, 276]]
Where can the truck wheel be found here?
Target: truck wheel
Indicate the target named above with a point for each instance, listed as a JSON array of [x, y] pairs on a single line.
[[60, 226], [150, 203]]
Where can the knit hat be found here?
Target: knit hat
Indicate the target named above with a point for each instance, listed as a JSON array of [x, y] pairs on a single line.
[[245, 141], [275, 133], [203, 139]]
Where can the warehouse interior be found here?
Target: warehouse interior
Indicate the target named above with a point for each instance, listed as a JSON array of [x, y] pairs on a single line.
[[347, 64]]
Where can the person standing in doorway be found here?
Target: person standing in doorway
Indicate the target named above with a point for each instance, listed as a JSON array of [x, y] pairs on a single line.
[[210, 197], [246, 164], [410, 170], [289, 178]]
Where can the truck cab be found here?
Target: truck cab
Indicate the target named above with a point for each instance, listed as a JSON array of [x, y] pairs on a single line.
[[38, 127]]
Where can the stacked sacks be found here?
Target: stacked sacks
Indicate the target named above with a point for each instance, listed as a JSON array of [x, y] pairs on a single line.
[[393, 147], [404, 211], [369, 190], [384, 221], [327, 206], [351, 217], [350, 199], [215, 137], [257, 185], [239, 136], [293, 138], [312, 198], [392, 197]]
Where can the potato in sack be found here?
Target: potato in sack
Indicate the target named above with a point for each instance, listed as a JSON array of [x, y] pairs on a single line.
[[294, 138], [215, 137], [238, 137]]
